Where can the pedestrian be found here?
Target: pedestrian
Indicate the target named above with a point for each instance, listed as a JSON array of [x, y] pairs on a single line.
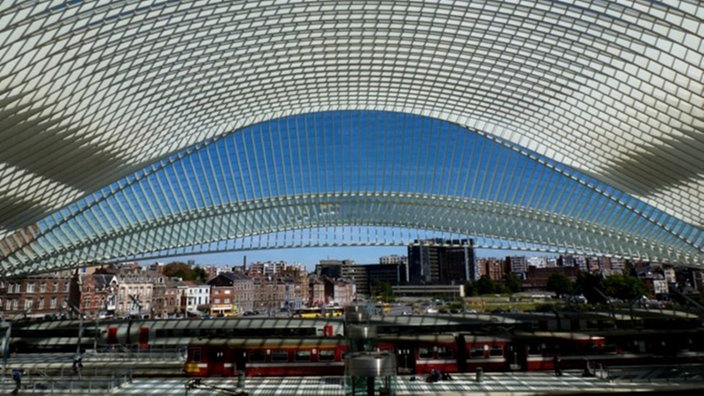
[[588, 371], [556, 365], [77, 365], [17, 377]]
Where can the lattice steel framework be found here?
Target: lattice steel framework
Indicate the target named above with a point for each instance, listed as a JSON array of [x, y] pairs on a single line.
[[133, 128]]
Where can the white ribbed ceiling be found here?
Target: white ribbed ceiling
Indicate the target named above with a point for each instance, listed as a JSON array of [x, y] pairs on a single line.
[[93, 91]]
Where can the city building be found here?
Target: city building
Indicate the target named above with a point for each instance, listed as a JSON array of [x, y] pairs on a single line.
[[367, 275], [134, 296], [537, 278], [518, 265], [195, 298], [37, 296], [166, 297], [439, 261], [336, 268], [491, 267], [268, 268], [99, 295], [231, 294]]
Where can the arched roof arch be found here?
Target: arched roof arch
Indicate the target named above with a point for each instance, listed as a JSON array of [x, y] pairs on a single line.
[[608, 94]]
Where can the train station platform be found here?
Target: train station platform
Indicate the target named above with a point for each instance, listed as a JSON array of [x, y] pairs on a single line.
[[540, 383]]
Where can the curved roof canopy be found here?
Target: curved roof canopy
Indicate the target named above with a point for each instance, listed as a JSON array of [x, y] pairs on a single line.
[[142, 128]]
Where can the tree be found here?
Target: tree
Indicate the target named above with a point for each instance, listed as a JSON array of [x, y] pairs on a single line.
[[513, 283], [180, 270], [470, 288], [625, 287], [560, 284], [589, 285], [200, 274], [383, 291], [485, 285]]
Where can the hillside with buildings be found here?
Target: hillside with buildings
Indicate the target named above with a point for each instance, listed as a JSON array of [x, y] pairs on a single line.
[[432, 268]]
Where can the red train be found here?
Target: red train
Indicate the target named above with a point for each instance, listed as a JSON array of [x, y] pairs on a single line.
[[267, 357], [530, 351], [325, 355]]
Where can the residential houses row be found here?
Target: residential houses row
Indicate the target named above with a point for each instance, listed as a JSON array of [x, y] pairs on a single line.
[[273, 287], [147, 292]]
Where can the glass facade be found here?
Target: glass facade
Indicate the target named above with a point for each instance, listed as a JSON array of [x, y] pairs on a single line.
[[150, 128]]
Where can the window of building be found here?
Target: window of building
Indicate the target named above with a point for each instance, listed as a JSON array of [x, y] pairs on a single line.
[[30, 287], [53, 302], [42, 287], [28, 303], [66, 285], [40, 304]]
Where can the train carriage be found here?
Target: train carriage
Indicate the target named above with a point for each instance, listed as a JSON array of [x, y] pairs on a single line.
[[266, 357], [537, 350]]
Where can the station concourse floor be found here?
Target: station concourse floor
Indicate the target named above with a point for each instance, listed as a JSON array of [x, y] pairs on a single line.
[[537, 383], [461, 384]]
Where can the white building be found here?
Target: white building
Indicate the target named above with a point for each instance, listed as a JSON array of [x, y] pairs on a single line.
[[194, 295], [134, 296]]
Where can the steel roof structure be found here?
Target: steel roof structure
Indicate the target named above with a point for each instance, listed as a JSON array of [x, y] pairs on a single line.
[[145, 128]]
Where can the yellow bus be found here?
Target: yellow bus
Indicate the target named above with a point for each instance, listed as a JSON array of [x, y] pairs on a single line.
[[318, 312], [383, 307]]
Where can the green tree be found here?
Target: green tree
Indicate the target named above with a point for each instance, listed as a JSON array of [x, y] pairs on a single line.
[[180, 270], [625, 287], [560, 284], [485, 285], [383, 291], [200, 274], [589, 285], [470, 288], [513, 283]]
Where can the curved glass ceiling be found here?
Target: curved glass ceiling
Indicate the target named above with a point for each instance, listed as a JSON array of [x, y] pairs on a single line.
[[345, 170], [606, 93]]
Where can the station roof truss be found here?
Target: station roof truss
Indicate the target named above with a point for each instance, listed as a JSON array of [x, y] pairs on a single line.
[[137, 129]]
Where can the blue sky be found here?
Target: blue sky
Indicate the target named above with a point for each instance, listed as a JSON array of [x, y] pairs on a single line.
[[337, 153], [311, 256]]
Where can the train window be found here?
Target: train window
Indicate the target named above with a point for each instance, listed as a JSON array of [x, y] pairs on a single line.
[[216, 356], [303, 356], [425, 353], [477, 352], [196, 355], [444, 352], [279, 356], [326, 355], [257, 355], [496, 350]]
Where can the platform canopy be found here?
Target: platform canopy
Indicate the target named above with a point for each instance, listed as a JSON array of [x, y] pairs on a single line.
[[133, 129]]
